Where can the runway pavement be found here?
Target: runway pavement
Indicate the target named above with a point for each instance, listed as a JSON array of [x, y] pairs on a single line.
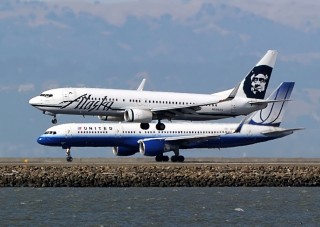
[[151, 161]]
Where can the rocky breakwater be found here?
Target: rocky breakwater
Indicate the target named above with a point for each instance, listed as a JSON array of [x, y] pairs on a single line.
[[158, 176]]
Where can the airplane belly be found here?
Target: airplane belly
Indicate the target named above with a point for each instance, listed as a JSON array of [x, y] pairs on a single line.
[[58, 110], [201, 117]]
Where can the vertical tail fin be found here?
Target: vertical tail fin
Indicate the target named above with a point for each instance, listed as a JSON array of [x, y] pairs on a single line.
[[255, 84], [272, 115]]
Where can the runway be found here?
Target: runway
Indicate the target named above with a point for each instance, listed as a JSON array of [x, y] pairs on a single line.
[[150, 161]]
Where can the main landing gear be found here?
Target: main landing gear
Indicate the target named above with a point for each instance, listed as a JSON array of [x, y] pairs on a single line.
[[175, 158], [68, 155], [159, 126], [165, 158], [144, 126]]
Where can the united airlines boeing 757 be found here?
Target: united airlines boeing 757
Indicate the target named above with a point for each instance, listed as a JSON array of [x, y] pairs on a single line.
[[144, 106], [128, 139]]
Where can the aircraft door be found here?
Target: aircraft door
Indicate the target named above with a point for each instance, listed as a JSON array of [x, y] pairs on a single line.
[[118, 130], [233, 107], [68, 132], [69, 94]]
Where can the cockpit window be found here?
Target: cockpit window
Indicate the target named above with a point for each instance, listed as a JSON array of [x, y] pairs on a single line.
[[47, 95], [50, 132]]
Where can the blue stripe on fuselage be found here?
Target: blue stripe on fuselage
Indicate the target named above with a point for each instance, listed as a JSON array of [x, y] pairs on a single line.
[[224, 141]]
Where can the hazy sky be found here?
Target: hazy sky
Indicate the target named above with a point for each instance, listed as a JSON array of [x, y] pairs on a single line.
[[193, 46]]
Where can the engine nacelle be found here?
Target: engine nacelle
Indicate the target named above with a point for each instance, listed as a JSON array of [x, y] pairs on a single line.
[[110, 118], [152, 147], [138, 115], [124, 151]]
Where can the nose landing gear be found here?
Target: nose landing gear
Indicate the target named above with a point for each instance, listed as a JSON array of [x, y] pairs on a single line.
[[68, 155], [54, 120]]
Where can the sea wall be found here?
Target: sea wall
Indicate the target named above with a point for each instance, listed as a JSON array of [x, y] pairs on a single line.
[[159, 176]]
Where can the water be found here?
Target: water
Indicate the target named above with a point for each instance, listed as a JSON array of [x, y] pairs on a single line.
[[159, 206]]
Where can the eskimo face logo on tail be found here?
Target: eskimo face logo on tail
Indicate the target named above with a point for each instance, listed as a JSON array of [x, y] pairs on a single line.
[[256, 82]]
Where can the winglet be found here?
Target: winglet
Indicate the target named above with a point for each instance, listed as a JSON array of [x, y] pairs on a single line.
[[141, 86]]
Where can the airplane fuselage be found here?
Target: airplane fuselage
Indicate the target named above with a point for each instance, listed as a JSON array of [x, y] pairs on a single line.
[[129, 134], [114, 102]]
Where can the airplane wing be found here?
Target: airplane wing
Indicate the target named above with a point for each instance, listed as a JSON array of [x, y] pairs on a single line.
[[281, 132], [183, 140], [192, 108]]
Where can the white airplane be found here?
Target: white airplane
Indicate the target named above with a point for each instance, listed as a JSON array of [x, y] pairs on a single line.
[[144, 106], [128, 138]]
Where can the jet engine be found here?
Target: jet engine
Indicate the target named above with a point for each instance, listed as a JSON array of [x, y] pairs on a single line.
[[138, 115], [152, 147], [124, 151]]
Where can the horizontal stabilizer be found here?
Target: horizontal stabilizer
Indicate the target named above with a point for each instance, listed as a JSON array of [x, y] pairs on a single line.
[[281, 132], [261, 102]]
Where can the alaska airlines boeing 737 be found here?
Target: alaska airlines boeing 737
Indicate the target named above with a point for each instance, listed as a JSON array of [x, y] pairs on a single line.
[[144, 106], [128, 139]]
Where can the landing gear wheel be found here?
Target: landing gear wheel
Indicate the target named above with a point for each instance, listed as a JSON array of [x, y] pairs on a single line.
[[68, 154], [160, 126], [54, 121], [165, 158], [161, 158], [178, 158], [174, 158], [144, 126]]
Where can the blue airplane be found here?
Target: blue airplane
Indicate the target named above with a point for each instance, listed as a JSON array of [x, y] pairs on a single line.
[[128, 138]]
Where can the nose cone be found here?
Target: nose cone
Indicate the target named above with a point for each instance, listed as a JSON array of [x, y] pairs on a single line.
[[41, 140], [45, 140], [34, 101]]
